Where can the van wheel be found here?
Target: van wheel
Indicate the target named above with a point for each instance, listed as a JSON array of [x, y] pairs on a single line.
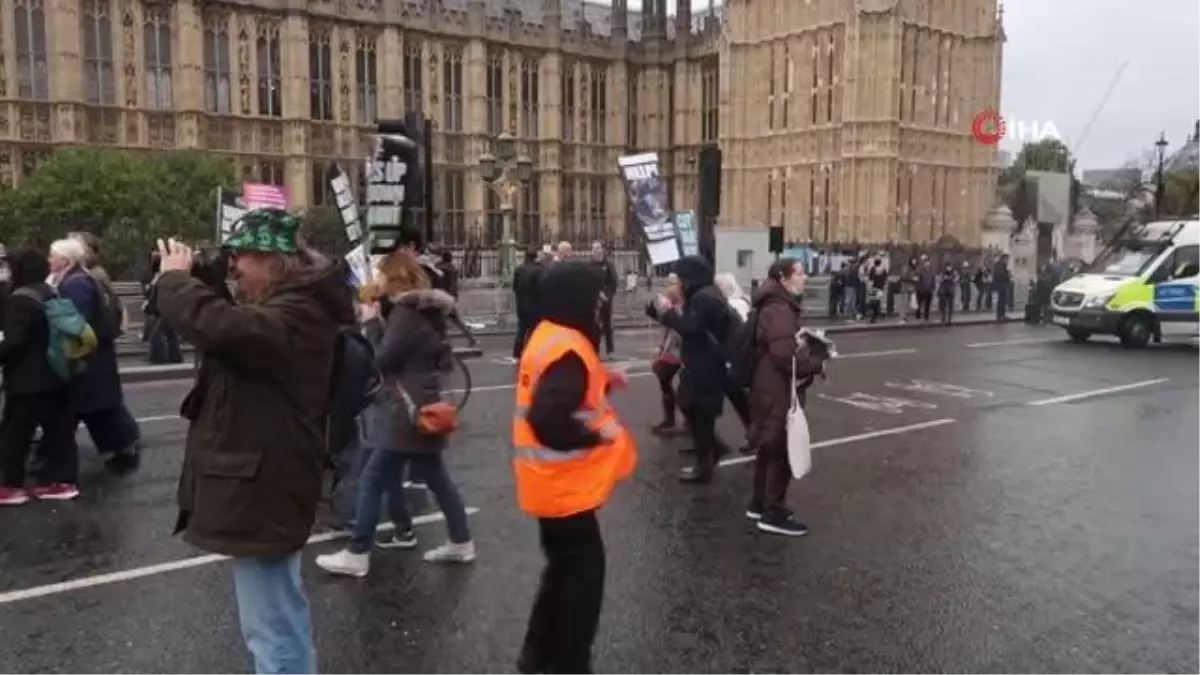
[[1136, 331], [1079, 335]]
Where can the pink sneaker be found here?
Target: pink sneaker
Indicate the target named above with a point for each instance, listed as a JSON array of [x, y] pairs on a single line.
[[10, 496], [55, 492]]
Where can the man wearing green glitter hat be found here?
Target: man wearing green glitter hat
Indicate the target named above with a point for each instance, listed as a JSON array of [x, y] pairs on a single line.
[[255, 450]]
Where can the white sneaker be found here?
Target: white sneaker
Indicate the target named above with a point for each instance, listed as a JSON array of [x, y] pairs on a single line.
[[345, 563], [455, 553]]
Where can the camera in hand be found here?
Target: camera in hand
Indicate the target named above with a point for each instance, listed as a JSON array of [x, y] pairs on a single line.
[[211, 266]]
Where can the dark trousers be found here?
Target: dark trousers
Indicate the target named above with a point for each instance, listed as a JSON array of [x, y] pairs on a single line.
[[946, 307], [665, 372], [982, 295], [704, 438], [772, 476], [23, 414], [606, 326], [113, 430], [740, 400], [164, 342], [924, 303], [566, 611], [965, 292], [1001, 302], [525, 325]]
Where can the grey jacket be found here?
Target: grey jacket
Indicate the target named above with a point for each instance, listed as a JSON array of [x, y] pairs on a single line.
[[413, 354]]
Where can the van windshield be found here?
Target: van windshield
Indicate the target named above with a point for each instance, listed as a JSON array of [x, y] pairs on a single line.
[[1127, 259]]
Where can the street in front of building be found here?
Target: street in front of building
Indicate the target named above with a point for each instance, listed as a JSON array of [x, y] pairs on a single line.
[[989, 498]]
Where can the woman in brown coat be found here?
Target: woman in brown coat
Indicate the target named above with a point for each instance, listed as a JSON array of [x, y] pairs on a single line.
[[777, 351]]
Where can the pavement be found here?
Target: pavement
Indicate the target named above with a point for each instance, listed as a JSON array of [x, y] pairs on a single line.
[[983, 499]]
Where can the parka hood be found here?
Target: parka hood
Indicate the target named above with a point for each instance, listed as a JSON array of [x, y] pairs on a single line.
[[694, 273], [426, 299], [328, 284], [570, 296]]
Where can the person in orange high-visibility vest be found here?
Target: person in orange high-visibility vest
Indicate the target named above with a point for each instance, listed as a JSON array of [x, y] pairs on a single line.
[[570, 449]]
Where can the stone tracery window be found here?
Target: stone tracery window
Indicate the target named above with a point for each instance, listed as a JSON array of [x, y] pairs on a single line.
[[530, 100], [414, 79], [270, 78], [320, 75], [99, 79], [709, 100], [452, 88], [366, 71], [157, 47], [217, 73], [29, 23], [495, 92]]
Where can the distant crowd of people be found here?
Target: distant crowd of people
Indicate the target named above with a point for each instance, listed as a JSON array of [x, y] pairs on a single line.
[[866, 289]]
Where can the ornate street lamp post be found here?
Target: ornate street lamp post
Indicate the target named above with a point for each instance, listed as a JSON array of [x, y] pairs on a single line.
[[1160, 183], [506, 173]]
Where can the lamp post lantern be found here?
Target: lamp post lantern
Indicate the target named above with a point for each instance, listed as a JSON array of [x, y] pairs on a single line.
[[506, 173], [1160, 184]]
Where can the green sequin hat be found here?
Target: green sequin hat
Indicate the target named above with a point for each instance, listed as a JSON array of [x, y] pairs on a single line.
[[266, 231]]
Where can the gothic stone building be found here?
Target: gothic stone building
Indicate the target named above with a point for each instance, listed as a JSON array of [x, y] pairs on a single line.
[[842, 119]]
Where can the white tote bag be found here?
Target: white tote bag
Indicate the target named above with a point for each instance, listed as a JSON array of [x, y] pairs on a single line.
[[798, 441]]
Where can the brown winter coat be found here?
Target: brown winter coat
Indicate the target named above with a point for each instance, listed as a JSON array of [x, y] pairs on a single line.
[[255, 451], [778, 319]]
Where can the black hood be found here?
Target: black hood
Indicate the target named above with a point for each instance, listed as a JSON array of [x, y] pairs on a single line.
[[694, 274], [570, 295]]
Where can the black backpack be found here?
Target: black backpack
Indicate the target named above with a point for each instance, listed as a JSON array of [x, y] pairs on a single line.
[[354, 383], [741, 350]]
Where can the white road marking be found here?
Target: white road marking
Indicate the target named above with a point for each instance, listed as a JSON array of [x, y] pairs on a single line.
[[474, 390], [892, 431], [884, 404], [176, 565], [864, 355], [1022, 341], [943, 388], [1098, 392]]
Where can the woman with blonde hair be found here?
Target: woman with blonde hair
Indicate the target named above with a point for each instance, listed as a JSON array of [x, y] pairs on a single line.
[[406, 321]]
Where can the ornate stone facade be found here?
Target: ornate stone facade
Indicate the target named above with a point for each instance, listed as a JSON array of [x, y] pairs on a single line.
[[850, 120], [287, 86]]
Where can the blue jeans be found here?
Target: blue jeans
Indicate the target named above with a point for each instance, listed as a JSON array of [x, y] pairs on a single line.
[[274, 615], [381, 474], [850, 303]]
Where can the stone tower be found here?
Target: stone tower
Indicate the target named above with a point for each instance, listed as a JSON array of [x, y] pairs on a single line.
[[850, 120]]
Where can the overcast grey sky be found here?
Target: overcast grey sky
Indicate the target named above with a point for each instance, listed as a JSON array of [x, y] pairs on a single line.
[[1062, 55]]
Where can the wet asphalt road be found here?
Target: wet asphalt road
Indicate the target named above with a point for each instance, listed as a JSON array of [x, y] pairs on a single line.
[[983, 499]]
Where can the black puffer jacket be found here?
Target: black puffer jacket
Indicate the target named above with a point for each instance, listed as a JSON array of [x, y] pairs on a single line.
[[703, 327]]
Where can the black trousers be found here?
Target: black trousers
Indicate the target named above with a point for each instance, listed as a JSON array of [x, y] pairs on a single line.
[[924, 302], [665, 372], [566, 611], [772, 476], [525, 326], [740, 400], [946, 307], [965, 292], [606, 329], [704, 438], [23, 414], [1002, 302]]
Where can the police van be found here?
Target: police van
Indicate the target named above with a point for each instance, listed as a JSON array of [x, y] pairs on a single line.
[[1142, 288]]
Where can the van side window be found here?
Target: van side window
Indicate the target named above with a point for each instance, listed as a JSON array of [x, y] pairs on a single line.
[[1164, 269], [1187, 262]]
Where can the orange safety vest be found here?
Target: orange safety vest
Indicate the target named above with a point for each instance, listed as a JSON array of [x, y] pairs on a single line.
[[559, 483]]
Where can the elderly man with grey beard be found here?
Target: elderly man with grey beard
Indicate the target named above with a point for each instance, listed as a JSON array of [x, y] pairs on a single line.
[[256, 453]]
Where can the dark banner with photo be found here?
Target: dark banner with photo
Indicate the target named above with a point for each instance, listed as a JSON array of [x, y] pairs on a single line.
[[650, 205]]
